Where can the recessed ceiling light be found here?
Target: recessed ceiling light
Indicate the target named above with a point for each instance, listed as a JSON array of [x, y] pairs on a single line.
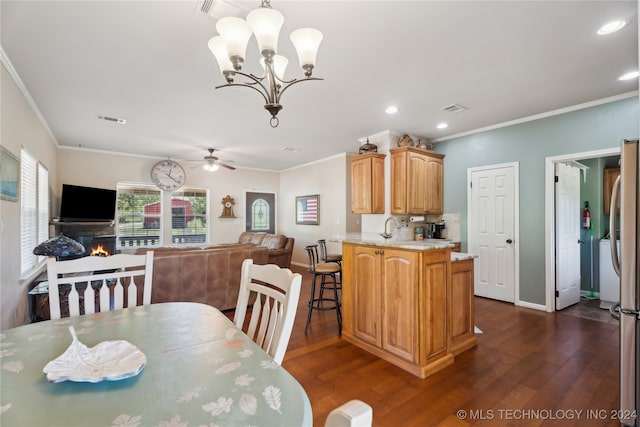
[[611, 27], [629, 76], [392, 109], [442, 125]]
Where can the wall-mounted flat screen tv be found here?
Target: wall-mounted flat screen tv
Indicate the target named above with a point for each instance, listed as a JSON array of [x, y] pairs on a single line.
[[87, 204]]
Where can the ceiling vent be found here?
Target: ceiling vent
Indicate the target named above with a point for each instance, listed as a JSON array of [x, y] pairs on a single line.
[[221, 8], [454, 108], [113, 119]]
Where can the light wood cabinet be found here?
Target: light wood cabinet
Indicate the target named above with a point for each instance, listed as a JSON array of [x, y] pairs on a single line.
[[416, 181], [609, 178], [367, 183], [395, 305], [461, 311]]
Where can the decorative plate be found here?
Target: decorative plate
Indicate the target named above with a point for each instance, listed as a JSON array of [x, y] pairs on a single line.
[[109, 360], [405, 141]]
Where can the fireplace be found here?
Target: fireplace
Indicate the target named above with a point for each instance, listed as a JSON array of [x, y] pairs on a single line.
[[93, 236], [97, 245]]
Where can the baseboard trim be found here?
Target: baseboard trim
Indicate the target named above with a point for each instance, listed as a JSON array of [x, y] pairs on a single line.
[[531, 305]]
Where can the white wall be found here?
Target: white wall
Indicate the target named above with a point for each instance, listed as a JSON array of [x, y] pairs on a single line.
[[106, 170], [19, 127], [330, 179]]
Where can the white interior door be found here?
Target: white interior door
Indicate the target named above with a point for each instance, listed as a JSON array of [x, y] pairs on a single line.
[[492, 230], [567, 235]]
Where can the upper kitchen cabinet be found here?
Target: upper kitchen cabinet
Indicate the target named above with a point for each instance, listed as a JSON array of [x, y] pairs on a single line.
[[367, 183], [416, 181]]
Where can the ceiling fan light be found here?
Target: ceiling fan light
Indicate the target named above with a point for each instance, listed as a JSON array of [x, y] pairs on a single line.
[[279, 65], [236, 34], [216, 46], [306, 41], [265, 24], [211, 167]]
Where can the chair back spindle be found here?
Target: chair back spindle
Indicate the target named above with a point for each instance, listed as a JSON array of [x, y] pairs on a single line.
[[101, 277], [277, 291]]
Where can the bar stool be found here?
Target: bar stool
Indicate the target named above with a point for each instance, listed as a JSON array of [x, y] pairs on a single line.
[[327, 257], [324, 270]]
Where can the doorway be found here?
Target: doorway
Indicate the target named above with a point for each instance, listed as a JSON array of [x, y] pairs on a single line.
[[493, 217], [550, 222]]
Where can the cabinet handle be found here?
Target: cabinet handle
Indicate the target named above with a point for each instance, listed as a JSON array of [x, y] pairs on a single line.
[[377, 252], [382, 252]]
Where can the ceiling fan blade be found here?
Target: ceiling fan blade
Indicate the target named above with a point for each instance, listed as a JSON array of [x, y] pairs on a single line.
[[224, 165]]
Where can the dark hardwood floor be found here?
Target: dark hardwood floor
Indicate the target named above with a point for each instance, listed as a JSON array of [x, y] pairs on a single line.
[[530, 368]]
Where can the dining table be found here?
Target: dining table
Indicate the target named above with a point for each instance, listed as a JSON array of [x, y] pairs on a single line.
[[200, 370]]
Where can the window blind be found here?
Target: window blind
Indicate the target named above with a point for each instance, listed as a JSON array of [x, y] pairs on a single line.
[[28, 211]]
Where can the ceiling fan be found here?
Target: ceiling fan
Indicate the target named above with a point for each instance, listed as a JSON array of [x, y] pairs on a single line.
[[211, 162]]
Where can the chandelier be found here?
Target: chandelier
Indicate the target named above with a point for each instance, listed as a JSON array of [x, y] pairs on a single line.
[[229, 48]]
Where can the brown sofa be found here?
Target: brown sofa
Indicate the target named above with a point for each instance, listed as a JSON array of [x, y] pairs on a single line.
[[280, 246], [209, 275]]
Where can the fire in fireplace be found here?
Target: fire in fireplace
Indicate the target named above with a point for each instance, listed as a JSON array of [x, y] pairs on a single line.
[[99, 251], [98, 245]]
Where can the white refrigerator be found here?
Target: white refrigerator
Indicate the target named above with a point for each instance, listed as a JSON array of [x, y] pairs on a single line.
[[627, 265]]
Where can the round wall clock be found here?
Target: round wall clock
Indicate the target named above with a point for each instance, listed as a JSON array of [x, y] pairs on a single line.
[[168, 175]]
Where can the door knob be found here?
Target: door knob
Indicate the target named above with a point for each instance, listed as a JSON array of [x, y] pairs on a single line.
[[509, 241]]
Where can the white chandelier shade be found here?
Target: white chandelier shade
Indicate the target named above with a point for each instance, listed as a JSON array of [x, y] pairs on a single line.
[[279, 65], [306, 41], [217, 47], [266, 24], [236, 34]]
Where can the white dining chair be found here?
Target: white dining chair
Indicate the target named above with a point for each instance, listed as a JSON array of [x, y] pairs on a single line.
[[107, 276], [354, 413], [274, 308]]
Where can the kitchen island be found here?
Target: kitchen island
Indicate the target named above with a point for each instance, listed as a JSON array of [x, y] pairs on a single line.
[[398, 302]]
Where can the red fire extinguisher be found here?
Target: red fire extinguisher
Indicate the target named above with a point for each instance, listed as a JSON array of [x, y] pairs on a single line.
[[586, 217]]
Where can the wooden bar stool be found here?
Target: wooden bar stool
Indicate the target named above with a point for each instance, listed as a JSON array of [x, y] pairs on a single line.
[[325, 270]]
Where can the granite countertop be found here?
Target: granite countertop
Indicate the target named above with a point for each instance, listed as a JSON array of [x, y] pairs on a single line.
[[461, 256], [374, 239]]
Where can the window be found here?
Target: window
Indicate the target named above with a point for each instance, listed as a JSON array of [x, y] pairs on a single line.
[[260, 215], [34, 209], [260, 210], [189, 216], [139, 215]]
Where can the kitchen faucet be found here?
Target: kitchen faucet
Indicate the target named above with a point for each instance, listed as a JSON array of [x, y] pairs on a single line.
[[385, 234]]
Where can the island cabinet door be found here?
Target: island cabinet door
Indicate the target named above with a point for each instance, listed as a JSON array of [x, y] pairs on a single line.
[[433, 296], [399, 288], [366, 294]]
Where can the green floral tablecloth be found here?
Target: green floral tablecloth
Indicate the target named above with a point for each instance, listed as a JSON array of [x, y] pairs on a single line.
[[201, 371]]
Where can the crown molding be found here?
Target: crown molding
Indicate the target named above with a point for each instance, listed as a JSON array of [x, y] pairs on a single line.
[[25, 92]]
